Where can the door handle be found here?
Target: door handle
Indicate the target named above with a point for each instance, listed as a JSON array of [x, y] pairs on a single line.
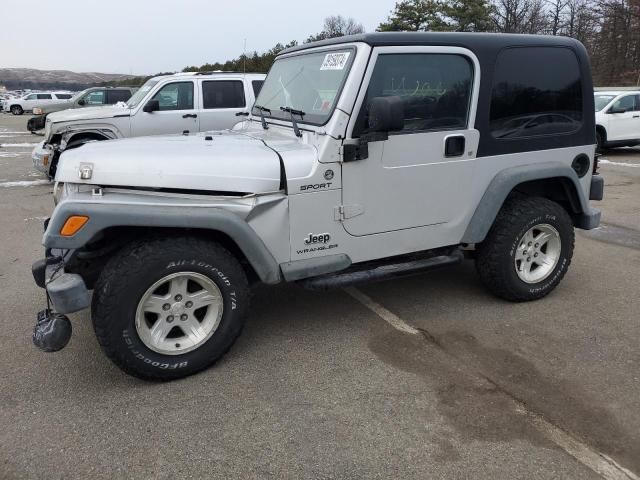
[[454, 146], [242, 114], [636, 116], [189, 115]]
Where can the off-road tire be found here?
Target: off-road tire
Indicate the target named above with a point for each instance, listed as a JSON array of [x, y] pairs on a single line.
[[130, 272], [16, 110], [495, 259]]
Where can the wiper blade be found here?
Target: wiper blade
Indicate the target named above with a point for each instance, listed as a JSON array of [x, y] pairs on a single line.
[[262, 109], [293, 112]]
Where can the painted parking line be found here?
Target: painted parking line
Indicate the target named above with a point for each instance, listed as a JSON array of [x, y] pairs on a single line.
[[596, 461]]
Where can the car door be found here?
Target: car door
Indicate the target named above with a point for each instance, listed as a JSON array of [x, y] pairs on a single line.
[[43, 99], [222, 101], [176, 114], [30, 101], [419, 176], [622, 126]]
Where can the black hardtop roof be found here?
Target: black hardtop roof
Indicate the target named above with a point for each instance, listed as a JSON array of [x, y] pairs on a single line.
[[470, 40]]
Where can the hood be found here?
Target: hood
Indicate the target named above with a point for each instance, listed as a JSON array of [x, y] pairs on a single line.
[[56, 107], [229, 162], [89, 113]]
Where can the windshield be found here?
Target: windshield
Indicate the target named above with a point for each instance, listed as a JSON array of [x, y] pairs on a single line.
[[310, 83], [137, 97], [602, 101], [78, 95]]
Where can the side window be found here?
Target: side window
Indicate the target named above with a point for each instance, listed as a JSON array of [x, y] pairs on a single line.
[[628, 103], [435, 89], [536, 91], [115, 96], [637, 109], [44, 96], [257, 85], [33, 96], [175, 96], [94, 98], [63, 96], [223, 94]]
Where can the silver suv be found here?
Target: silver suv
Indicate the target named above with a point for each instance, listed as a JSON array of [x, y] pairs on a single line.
[[181, 103], [364, 158]]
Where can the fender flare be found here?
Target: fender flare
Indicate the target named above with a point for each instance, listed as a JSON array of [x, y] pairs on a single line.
[[502, 185], [106, 215]]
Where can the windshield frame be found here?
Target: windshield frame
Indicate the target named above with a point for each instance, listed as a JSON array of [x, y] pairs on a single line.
[[286, 117]]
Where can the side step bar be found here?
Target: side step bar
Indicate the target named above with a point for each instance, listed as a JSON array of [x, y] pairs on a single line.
[[380, 272]]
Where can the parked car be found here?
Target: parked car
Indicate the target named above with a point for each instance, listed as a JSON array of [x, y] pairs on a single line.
[[180, 103], [18, 106], [617, 119], [366, 157], [91, 97]]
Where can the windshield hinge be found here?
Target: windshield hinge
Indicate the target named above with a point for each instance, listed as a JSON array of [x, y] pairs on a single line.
[[344, 212]]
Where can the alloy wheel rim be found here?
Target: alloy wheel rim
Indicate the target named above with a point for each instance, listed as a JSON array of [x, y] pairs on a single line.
[[538, 253], [179, 313]]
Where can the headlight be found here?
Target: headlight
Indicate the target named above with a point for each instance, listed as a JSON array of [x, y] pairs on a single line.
[[47, 130]]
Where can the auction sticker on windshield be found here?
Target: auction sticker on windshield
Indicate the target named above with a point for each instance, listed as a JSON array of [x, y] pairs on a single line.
[[335, 61]]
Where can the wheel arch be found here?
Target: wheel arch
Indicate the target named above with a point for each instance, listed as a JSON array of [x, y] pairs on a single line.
[[555, 181], [601, 129], [122, 222]]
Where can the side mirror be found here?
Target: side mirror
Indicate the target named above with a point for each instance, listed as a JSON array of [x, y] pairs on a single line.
[[617, 110], [386, 114], [82, 102], [152, 106]]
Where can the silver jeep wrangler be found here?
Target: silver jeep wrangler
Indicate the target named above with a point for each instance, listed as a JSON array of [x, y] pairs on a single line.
[[365, 157]]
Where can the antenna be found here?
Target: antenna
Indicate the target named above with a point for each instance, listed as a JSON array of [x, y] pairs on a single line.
[[244, 57]]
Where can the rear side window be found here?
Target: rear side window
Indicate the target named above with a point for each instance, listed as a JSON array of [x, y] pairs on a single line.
[[115, 96], [63, 96], [536, 91], [257, 85], [223, 94], [435, 90], [44, 96]]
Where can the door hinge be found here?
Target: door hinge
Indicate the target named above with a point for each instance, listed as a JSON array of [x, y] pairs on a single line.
[[344, 212]]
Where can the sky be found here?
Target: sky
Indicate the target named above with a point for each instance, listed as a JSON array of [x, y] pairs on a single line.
[[150, 36]]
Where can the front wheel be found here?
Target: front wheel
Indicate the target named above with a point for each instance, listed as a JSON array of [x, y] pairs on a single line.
[[167, 308], [17, 110], [527, 250]]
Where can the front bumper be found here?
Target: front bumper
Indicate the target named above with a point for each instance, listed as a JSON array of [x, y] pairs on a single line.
[[36, 123], [67, 291], [42, 157]]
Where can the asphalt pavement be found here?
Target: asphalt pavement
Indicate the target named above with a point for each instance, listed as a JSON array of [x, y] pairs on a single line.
[[423, 377]]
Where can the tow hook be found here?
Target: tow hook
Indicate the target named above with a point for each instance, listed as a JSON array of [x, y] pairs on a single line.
[[52, 331]]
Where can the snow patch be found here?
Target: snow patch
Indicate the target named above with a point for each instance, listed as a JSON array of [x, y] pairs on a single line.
[[604, 161], [24, 183], [18, 145]]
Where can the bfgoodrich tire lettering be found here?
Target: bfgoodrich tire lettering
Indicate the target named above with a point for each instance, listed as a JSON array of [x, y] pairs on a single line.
[[496, 260], [130, 273]]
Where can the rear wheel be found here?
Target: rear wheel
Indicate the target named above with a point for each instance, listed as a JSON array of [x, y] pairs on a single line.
[[167, 308], [528, 249], [17, 110]]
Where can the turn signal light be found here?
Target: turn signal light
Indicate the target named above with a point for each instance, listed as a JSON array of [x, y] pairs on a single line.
[[73, 225]]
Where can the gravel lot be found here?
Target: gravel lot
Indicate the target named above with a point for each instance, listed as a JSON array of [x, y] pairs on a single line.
[[321, 386]]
